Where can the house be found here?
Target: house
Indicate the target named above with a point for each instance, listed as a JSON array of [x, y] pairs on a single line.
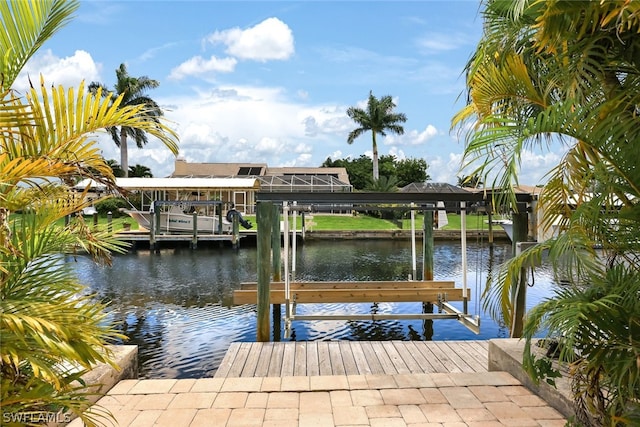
[[270, 179]]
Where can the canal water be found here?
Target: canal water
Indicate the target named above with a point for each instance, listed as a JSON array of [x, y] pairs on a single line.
[[175, 305]]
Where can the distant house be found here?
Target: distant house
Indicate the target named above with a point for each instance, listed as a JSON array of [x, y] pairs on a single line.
[[271, 179]]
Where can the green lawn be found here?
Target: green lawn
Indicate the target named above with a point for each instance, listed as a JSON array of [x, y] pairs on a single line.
[[327, 222], [363, 222]]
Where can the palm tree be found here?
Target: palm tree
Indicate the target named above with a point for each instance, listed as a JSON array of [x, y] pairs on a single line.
[[377, 118], [115, 167], [47, 321], [140, 171], [541, 72], [133, 91]]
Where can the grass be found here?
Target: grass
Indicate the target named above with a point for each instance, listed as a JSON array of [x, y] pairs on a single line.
[[327, 222], [364, 222]]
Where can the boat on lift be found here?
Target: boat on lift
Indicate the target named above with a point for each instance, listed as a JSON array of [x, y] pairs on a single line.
[[179, 217]]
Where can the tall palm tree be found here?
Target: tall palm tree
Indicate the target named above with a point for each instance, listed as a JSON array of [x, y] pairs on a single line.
[[377, 118], [565, 70], [133, 91], [47, 321]]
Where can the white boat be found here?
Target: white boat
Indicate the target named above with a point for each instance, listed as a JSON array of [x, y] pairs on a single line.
[[174, 220]]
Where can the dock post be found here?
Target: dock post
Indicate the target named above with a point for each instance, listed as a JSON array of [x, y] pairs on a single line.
[[519, 293], [194, 238], [156, 245], [276, 246], [264, 218], [427, 267], [152, 233], [427, 243], [414, 274], [235, 237]]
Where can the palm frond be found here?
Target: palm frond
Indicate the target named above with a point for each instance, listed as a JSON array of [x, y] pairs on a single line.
[[25, 28]]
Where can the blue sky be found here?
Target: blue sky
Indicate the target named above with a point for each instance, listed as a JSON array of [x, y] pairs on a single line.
[[270, 81]]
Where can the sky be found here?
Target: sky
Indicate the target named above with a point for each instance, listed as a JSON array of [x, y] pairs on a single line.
[[270, 81]]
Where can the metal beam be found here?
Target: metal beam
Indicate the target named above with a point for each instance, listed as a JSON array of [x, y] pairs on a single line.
[[377, 198]]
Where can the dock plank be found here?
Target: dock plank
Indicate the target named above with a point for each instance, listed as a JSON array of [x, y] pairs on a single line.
[[431, 284], [398, 363], [275, 364], [348, 359], [337, 365], [227, 360], [312, 358], [349, 296], [419, 357], [387, 365], [436, 363], [300, 363], [313, 363], [372, 359], [324, 359], [252, 360], [262, 368], [360, 359], [243, 352], [288, 360], [453, 351], [412, 365], [473, 358]]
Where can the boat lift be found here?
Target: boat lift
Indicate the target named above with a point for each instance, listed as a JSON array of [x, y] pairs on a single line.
[[445, 310]]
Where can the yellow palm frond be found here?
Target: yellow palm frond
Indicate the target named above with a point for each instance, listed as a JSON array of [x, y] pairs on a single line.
[[26, 25]]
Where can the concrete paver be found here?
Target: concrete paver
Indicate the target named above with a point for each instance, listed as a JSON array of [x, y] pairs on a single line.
[[420, 400]]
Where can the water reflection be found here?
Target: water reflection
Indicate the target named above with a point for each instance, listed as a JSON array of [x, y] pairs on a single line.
[[175, 305]]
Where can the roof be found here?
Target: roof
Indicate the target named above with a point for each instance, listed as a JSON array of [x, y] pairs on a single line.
[[201, 170], [432, 187], [175, 183]]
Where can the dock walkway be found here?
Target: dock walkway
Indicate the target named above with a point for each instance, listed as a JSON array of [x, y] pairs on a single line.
[[317, 384], [310, 358]]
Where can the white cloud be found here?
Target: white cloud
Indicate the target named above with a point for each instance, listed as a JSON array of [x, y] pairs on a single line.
[[441, 42], [68, 71], [248, 124], [154, 51], [413, 137], [398, 153], [198, 65], [271, 39]]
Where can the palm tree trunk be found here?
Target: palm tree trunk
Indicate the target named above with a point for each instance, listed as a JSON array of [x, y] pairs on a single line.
[[124, 154], [376, 175]]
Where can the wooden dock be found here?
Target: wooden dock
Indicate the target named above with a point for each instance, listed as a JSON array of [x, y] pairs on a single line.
[[309, 358], [144, 236]]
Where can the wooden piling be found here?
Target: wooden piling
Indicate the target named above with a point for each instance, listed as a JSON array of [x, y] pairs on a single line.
[[235, 236], [427, 244], [194, 237], [264, 219], [276, 245], [518, 294], [427, 267]]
